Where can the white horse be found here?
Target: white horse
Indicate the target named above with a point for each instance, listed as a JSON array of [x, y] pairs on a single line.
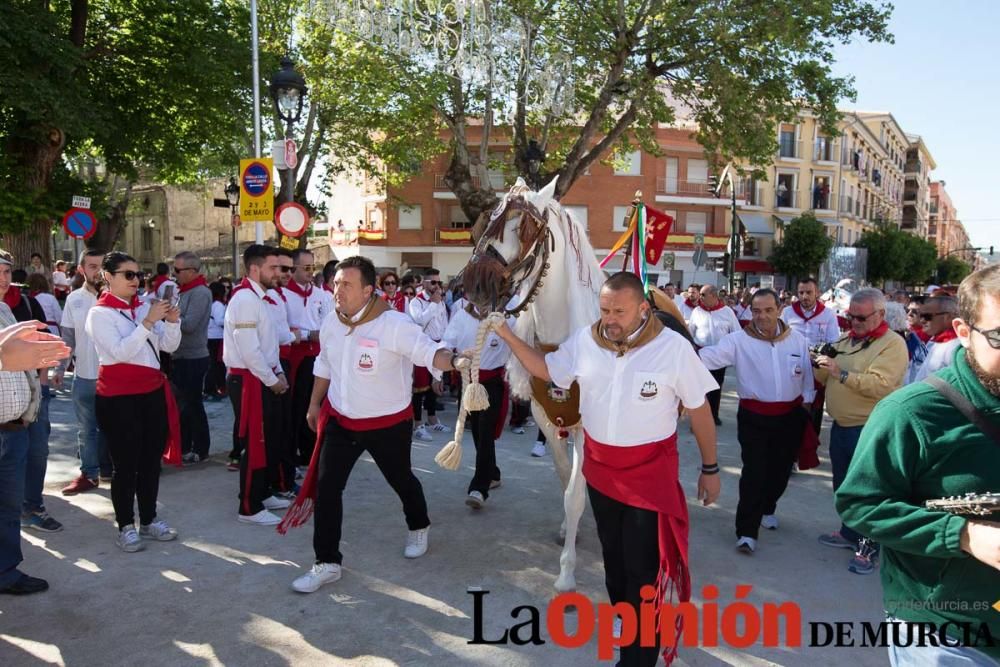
[[534, 246]]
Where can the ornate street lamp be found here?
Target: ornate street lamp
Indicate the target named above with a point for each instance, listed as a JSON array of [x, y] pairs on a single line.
[[288, 91], [233, 195]]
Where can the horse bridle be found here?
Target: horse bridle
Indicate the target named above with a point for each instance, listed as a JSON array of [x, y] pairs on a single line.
[[533, 249]]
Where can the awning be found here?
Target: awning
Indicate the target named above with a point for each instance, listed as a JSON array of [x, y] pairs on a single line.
[[756, 224], [753, 266], [785, 219]]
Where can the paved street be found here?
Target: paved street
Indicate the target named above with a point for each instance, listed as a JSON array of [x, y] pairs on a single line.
[[220, 594]]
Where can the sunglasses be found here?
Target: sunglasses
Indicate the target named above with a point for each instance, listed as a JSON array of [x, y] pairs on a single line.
[[177, 272], [388, 282], [860, 318], [307, 267], [129, 275], [992, 336], [408, 293], [912, 312], [286, 269], [927, 317], [433, 282]]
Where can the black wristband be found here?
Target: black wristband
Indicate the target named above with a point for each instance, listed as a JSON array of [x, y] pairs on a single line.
[[710, 469]]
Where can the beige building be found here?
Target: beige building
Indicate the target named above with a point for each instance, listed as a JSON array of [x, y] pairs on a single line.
[[945, 229], [917, 187]]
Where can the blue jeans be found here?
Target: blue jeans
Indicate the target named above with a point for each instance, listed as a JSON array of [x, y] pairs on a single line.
[[934, 656], [13, 456], [92, 446], [38, 457], [843, 442]]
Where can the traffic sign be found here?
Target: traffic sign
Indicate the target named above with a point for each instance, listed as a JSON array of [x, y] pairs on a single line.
[[669, 260], [292, 219], [256, 192], [291, 154], [699, 256], [81, 202], [699, 240], [79, 223]]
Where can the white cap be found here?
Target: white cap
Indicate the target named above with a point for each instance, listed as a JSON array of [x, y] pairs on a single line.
[[931, 289]]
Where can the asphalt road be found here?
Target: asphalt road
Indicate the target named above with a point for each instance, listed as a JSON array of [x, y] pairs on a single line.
[[220, 595]]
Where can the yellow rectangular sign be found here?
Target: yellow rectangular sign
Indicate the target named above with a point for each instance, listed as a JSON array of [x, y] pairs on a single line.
[[257, 190]]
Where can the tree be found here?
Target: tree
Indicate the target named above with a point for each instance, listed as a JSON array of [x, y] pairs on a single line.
[[886, 253], [919, 260], [951, 270], [804, 246], [588, 81], [98, 91]]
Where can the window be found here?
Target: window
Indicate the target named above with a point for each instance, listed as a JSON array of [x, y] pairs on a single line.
[[787, 146], [410, 217], [697, 171], [696, 222], [457, 218], [580, 214], [784, 191], [821, 191], [632, 165], [671, 182], [147, 239], [619, 222], [824, 149]]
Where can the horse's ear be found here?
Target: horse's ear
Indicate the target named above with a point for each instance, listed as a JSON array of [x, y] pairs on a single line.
[[480, 226], [548, 193]]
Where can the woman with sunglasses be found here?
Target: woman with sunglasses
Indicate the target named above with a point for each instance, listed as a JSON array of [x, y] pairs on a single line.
[[134, 405], [391, 294]]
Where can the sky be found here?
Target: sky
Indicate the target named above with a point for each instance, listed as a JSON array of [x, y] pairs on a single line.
[[940, 80]]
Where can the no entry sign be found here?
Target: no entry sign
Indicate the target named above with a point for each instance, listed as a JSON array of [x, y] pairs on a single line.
[[292, 219], [79, 223]]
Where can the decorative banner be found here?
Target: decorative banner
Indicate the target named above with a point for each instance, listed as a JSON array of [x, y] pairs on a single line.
[[658, 226], [623, 239], [256, 193]]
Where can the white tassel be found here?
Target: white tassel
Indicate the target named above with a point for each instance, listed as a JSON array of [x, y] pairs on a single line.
[[475, 398]]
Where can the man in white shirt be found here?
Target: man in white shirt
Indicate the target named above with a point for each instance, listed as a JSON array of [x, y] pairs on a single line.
[[690, 301], [92, 446], [430, 312], [255, 384], [708, 323], [283, 471], [818, 325], [307, 307], [633, 375], [774, 378], [671, 291], [486, 425], [936, 314], [361, 402]]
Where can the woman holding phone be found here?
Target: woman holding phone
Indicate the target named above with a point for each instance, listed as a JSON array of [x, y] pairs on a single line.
[[134, 405]]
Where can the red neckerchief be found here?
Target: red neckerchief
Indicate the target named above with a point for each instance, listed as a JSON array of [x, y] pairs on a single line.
[[13, 297], [817, 309], [423, 296], [281, 293], [109, 300], [159, 280], [919, 332], [398, 302], [326, 288], [717, 306], [297, 289], [944, 336], [687, 302], [200, 280], [243, 284], [878, 332]]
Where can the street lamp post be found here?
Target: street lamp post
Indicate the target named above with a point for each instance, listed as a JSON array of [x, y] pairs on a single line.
[[233, 195], [288, 91], [534, 156]]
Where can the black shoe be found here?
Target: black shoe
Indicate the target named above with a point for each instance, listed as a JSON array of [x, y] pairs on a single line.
[[26, 585]]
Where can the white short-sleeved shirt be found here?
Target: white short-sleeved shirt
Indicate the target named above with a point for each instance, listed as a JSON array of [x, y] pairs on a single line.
[[371, 370], [633, 399], [818, 329], [461, 335], [78, 304], [768, 372], [708, 327]]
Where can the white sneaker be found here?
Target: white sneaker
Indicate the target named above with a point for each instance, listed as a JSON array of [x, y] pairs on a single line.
[[769, 521], [475, 500], [421, 433], [746, 545], [517, 429], [538, 451], [276, 503], [416, 543], [495, 484], [529, 422], [261, 518], [440, 428], [321, 573], [158, 530], [129, 540]]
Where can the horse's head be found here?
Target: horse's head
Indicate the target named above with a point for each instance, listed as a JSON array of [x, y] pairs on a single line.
[[510, 247]]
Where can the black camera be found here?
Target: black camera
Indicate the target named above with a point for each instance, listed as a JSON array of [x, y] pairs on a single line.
[[826, 349]]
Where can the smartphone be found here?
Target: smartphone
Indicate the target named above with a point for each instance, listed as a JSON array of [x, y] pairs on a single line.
[[168, 295]]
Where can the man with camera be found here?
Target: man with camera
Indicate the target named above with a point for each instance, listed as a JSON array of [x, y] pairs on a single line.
[[810, 317], [858, 371]]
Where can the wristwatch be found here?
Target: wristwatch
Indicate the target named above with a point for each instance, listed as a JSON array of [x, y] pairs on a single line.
[[843, 377]]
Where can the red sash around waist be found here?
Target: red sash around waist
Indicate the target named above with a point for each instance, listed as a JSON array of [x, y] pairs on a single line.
[[297, 353], [132, 379], [646, 476], [305, 501], [421, 379], [809, 441], [251, 426]]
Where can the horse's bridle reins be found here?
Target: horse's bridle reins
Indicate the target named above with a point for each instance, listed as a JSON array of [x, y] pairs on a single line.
[[533, 247]]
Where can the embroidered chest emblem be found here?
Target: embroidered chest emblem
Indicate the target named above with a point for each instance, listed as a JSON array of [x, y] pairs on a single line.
[[558, 394], [649, 390], [366, 362]]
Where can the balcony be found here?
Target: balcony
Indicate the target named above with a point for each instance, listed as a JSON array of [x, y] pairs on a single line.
[[789, 149], [354, 236], [453, 236], [788, 199], [825, 150], [913, 167], [847, 205], [673, 186], [496, 182], [822, 202]]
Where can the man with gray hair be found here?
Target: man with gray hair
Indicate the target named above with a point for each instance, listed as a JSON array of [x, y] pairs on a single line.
[[190, 360], [936, 315], [869, 364]]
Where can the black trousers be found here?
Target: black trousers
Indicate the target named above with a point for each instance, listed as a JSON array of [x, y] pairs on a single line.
[[188, 377], [136, 429], [519, 411], [484, 424], [630, 546], [390, 448], [256, 485], [714, 397], [426, 400], [816, 411], [768, 445], [283, 469], [215, 378], [302, 437]]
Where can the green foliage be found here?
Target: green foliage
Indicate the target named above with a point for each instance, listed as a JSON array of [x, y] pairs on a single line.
[[919, 260], [951, 270], [804, 246], [897, 255]]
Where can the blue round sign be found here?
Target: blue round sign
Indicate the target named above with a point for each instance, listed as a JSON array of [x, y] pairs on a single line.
[[256, 179]]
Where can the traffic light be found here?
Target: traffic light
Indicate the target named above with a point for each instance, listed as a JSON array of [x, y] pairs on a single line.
[[725, 264], [714, 186]]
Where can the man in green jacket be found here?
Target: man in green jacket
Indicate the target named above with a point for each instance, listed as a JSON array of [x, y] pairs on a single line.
[[938, 567]]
